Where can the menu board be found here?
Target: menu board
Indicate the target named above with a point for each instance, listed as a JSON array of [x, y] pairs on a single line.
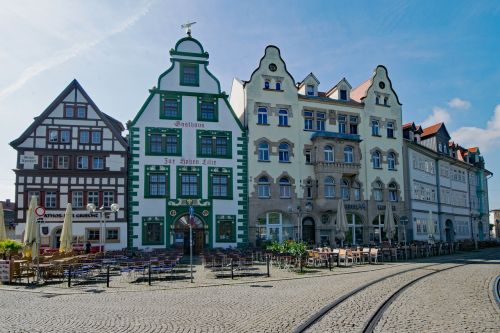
[[5, 271]]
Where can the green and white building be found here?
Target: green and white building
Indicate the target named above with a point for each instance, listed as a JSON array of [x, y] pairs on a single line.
[[187, 149]]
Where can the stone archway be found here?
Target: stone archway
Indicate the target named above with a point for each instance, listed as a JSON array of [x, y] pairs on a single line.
[[55, 237], [308, 230], [181, 233], [449, 231]]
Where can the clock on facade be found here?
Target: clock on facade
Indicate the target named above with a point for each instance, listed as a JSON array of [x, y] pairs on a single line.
[[273, 67], [381, 85]]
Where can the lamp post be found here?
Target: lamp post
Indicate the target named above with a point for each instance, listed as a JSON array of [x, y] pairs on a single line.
[[404, 221], [91, 208], [299, 212]]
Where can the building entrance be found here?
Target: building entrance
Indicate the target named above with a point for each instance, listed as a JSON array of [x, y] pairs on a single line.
[[181, 231]]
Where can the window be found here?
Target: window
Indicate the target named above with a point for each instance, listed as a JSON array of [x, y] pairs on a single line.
[[386, 100], [157, 184], [47, 162], [112, 234], [189, 74], [307, 154], [391, 161], [320, 121], [220, 185], [328, 153], [206, 146], [376, 160], [343, 94], [63, 162], [262, 116], [348, 155], [375, 128], [309, 192], [171, 108], [108, 198], [308, 120], [393, 192], [266, 84], [283, 117], [77, 199], [81, 111], [284, 154], [31, 194], [377, 99], [96, 137], [84, 137], [163, 141], [93, 197], [93, 235], [65, 136], [390, 130], [69, 111], [82, 162], [50, 199], [342, 123], [310, 90], [440, 147], [214, 144], [189, 185], [153, 230], [344, 189], [377, 191], [263, 151], [53, 135], [278, 85], [329, 187], [208, 110], [97, 163], [357, 191], [226, 229], [285, 188], [263, 187]]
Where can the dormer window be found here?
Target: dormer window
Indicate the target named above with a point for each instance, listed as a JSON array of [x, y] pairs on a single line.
[[343, 95], [310, 90], [386, 99], [278, 85], [266, 84], [440, 147], [377, 99]]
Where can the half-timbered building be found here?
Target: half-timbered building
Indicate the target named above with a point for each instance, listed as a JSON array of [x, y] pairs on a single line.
[[73, 153]]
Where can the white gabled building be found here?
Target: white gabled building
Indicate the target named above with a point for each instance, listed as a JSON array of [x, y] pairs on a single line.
[[188, 149], [73, 153]]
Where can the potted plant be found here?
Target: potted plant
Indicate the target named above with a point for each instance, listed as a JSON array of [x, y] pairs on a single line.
[[9, 247]]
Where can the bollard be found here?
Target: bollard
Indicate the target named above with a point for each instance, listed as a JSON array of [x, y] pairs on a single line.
[[268, 273], [232, 270], [330, 263], [149, 274], [69, 276], [107, 277]]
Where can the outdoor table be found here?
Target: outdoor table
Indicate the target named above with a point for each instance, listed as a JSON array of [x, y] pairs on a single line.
[[42, 273]]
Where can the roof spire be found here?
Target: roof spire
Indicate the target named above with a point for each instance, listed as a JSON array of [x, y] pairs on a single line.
[[187, 26]]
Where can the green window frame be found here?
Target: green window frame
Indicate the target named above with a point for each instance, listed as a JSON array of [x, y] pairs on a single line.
[[216, 183], [163, 141], [153, 230], [208, 109], [189, 74], [214, 144], [225, 228], [154, 176], [171, 106], [189, 182]]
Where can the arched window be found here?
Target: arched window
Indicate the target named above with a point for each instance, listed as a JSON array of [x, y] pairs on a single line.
[[283, 117], [278, 85], [377, 191], [329, 187], [266, 84], [357, 191], [284, 154], [348, 155], [393, 192], [262, 116], [391, 161], [328, 150], [376, 160], [285, 188], [263, 187], [263, 151], [375, 128], [344, 189]]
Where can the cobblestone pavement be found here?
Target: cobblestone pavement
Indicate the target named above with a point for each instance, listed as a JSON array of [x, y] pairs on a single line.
[[276, 304]]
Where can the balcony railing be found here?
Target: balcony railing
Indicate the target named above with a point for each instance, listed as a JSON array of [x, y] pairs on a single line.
[[337, 167]]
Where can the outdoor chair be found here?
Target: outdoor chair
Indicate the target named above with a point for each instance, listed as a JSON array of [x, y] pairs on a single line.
[[365, 255], [374, 254], [345, 256]]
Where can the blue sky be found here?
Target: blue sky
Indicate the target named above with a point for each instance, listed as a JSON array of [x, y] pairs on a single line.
[[443, 57]]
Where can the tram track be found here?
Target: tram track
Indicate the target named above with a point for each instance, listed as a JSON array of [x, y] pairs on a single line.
[[370, 324]]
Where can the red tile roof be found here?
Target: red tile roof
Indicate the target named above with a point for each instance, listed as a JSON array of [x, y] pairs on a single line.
[[473, 149], [407, 125], [431, 130], [359, 92]]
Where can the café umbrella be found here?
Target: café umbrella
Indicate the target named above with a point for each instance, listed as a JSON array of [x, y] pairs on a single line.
[[3, 233], [67, 231], [341, 222], [30, 232], [389, 225]]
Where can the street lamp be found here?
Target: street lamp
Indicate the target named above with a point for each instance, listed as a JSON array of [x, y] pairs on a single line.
[[298, 211], [91, 208], [404, 221]]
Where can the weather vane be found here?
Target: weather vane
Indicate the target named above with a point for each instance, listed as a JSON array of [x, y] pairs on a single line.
[[187, 26]]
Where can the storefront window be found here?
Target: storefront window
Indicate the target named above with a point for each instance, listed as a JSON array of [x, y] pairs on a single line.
[[274, 226]]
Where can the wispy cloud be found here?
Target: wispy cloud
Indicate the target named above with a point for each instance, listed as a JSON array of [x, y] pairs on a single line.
[[458, 103], [485, 138], [70, 53], [439, 115]]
